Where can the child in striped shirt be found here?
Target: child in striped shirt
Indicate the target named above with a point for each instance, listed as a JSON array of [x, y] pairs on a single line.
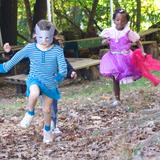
[[47, 68], [71, 74]]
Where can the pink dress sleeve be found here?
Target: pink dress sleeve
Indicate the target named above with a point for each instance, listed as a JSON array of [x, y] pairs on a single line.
[[105, 33], [133, 36]]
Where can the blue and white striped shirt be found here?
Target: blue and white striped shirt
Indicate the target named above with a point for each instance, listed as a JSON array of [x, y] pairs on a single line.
[[44, 65]]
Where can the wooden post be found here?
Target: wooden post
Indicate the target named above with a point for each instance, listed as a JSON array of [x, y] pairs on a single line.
[[155, 50], [49, 11], [111, 11], [1, 41]]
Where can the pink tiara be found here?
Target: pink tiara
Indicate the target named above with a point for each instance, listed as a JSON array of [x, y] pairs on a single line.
[[121, 10]]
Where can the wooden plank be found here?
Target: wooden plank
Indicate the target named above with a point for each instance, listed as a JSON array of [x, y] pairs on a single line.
[[17, 79], [149, 31], [77, 63], [88, 42], [94, 40], [146, 42], [150, 47]]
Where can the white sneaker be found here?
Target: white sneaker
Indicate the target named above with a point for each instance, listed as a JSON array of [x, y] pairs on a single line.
[[47, 137], [26, 121], [129, 80], [126, 80], [116, 103], [52, 125], [56, 131]]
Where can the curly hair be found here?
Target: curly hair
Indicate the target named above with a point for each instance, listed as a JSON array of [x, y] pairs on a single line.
[[121, 11]]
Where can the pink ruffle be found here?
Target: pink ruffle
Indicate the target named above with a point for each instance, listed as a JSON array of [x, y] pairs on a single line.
[[146, 64]]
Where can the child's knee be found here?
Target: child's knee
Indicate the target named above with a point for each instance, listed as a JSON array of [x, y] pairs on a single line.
[[34, 91], [34, 94]]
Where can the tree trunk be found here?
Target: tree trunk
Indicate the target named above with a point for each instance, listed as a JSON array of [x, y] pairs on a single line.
[[29, 14], [138, 21], [40, 12], [8, 21], [116, 4], [91, 32]]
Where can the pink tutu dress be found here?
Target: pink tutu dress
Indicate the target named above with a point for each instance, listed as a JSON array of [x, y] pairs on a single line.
[[117, 62]]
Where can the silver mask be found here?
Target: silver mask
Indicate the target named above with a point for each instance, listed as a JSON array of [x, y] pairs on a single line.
[[44, 36]]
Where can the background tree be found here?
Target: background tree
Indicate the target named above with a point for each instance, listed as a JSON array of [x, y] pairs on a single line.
[[8, 21], [40, 12], [91, 30], [76, 19], [29, 13], [138, 18]]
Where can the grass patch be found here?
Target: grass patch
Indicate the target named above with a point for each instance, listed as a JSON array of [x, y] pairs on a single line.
[[10, 108], [103, 86], [87, 89]]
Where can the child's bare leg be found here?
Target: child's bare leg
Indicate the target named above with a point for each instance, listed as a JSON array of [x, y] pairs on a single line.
[[47, 110], [47, 120], [54, 110], [34, 93], [32, 100], [116, 89]]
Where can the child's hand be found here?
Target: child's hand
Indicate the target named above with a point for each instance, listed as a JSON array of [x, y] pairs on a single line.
[[60, 39], [144, 54], [73, 75], [105, 41], [7, 48]]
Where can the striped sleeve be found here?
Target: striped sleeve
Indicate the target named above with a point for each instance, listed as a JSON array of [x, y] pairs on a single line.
[[62, 66], [23, 53]]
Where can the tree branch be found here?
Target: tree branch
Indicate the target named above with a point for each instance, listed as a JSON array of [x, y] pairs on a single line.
[[59, 13], [29, 14], [87, 12], [21, 36]]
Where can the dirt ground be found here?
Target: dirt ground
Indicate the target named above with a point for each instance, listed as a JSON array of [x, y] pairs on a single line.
[[91, 128]]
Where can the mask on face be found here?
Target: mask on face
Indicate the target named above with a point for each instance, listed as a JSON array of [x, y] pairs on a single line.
[[44, 36]]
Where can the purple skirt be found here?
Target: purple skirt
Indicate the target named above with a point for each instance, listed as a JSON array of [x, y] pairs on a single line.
[[118, 66]]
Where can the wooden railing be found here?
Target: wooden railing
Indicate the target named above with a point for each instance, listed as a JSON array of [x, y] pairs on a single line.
[[76, 45]]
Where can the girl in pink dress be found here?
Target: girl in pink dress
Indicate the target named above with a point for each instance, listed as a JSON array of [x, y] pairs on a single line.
[[117, 63]]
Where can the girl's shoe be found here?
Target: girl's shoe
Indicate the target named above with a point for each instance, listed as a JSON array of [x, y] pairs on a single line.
[[52, 125], [126, 80], [47, 137], [56, 131], [26, 121], [116, 103]]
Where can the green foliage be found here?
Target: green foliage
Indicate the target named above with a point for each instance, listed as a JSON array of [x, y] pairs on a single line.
[[150, 13], [22, 23], [105, 86], [73, 16], [78, 12], [9, 109]]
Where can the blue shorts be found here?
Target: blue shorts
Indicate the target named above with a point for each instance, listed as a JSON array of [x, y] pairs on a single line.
[[52, 93]]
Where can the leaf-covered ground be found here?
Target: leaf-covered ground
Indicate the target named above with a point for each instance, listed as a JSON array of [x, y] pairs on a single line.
[[91, 128]]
